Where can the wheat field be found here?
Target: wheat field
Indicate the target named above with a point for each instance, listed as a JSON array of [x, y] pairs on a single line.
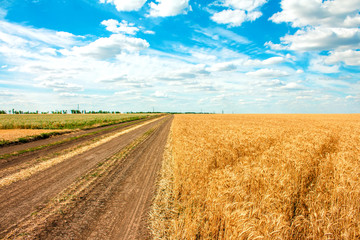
[[260, 177]]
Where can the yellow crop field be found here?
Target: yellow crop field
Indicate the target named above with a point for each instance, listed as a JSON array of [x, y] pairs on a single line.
[[260, 177]]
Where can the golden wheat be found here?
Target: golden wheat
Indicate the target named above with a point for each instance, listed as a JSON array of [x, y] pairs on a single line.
[[260, 177]]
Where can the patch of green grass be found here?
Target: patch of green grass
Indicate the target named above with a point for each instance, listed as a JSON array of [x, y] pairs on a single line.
[[64, 121]]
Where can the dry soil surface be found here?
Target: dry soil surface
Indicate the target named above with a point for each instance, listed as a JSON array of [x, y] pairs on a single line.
[[107, 203]]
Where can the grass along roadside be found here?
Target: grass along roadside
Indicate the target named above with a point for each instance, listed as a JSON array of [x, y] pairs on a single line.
[[64, 121], [31, 138], [27, 139], [69, 197], [28, 172], [5, 156]]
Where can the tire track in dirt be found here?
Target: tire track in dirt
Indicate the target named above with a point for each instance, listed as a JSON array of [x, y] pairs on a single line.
[[22, 198], [117, 205]]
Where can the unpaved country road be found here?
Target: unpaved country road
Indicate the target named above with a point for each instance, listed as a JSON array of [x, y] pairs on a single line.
[[65, 141], [112, 205]]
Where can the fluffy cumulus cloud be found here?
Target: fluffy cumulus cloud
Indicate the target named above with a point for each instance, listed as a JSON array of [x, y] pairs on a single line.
[[232, 17], [166, 8], [319, 38], [238, 12], [105, 48], [318, 64], [115, 26], [324, 25], [349, 57], [126, 5], [328, 13]]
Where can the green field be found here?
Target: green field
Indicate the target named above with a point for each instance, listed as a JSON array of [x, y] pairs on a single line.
[[64, 121]]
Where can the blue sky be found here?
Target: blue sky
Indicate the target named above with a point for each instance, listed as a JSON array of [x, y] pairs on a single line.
[[239, 56]]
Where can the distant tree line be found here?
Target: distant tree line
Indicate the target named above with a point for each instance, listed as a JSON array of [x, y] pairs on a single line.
[[13, 111], [93, 112]]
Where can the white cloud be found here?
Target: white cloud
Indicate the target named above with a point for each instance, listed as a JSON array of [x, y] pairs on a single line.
[[61, 86], [203, 56], [69, 94], [113, 79], [248, 5], [189, 72], [350, 97], [324, 25], [275, 46], [317, 39], [267, 73], [6, 93], [222, 67], [166, 8], [232, 17], [269, 61], [105, 48], [17, 35], [317, 64], [334, 13], [114, 26], [149, 32], [160, 94], [252, 16], [349, 57], [222, 35], [292, 86], [303, 97], [270, 83], [238, 12], [50, 51], [126, 5]]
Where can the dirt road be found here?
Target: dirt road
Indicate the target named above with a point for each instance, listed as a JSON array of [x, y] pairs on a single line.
[[102, 193], [57, 143]]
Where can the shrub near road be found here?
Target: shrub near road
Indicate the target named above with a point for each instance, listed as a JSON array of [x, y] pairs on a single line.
[[260, 177]]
